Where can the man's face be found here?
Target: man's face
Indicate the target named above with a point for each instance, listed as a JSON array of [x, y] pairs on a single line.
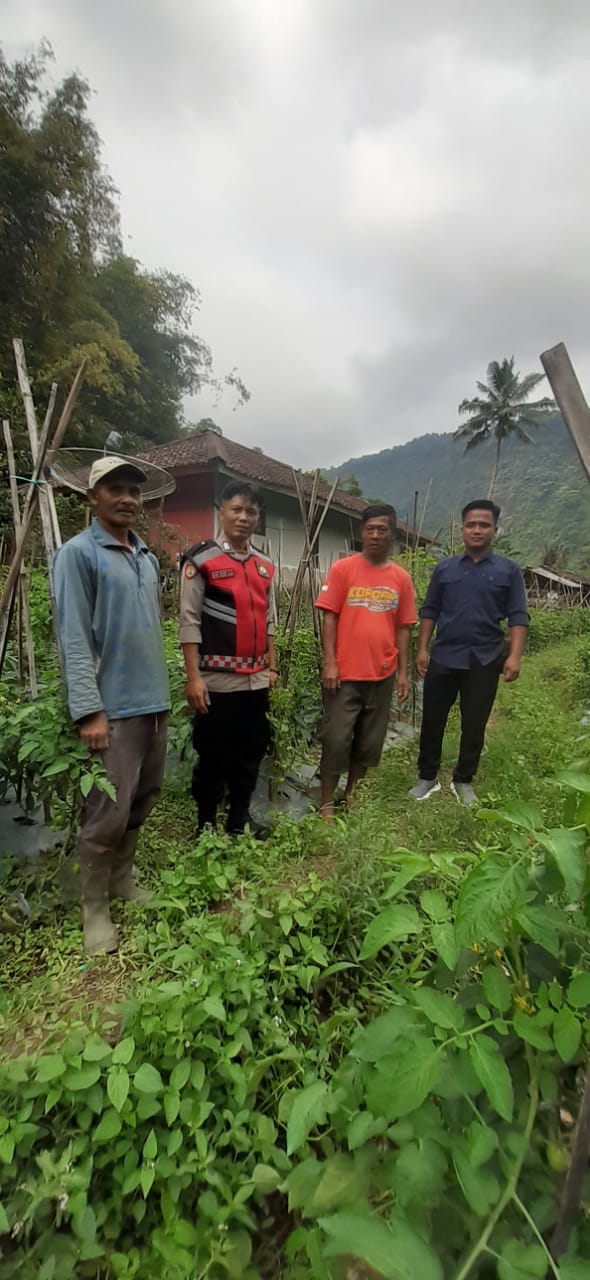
[[239, 518], [116, 499], [376, 538], [478, 530]]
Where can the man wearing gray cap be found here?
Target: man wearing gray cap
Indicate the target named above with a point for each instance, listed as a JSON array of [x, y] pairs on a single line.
[[107, 590]]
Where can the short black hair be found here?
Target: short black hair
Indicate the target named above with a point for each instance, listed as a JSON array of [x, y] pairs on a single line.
[[380, 509], [241, 489], [482, 504]]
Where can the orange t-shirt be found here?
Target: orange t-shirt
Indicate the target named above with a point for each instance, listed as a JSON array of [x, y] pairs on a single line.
[[371, 602]]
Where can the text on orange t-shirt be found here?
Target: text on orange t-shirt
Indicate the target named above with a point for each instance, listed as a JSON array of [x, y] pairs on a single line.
[[371, 601]]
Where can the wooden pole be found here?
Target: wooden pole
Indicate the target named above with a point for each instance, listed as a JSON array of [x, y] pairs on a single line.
[[570, 398], [420, 527], [307, 554], [24, 599], [415, 521], [7, 597], [47, 510], [574, 1180], [298, 585]]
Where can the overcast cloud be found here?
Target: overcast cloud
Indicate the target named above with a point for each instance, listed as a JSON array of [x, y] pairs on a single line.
[[375, 199]]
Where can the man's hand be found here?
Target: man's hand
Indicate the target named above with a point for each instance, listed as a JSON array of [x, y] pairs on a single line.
[[330, 676], [511, 669], [422, 661], [403, 687], [94, 732], [197, 696], [273, 678]]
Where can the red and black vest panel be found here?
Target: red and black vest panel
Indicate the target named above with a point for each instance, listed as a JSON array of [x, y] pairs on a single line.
[[235, 608]]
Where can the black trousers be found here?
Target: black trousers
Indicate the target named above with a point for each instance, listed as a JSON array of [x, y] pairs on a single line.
[[231, 740], [476, 688]]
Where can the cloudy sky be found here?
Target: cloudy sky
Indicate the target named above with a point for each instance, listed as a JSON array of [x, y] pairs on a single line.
[[374, 198]]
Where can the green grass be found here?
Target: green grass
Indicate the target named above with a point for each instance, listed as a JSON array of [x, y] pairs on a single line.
[[49, 986]]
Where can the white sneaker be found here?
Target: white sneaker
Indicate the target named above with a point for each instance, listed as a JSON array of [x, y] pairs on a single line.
[[424, 788], [464, 793]]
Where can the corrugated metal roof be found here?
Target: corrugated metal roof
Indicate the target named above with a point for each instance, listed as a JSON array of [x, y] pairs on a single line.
[[571, 581]]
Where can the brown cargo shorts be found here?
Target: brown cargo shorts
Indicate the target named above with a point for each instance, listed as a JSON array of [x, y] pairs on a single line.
[[354, 725]]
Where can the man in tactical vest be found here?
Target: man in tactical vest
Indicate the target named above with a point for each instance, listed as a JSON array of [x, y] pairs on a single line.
[[226, 633]]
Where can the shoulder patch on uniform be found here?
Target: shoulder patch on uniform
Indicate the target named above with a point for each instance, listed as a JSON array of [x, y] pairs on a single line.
[[262, 569], [190, 570]]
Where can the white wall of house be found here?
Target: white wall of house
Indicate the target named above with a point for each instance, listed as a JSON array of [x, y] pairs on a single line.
[[284, 531]]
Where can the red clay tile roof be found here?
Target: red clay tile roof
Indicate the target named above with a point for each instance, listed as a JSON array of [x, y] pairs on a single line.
[[204, 447]]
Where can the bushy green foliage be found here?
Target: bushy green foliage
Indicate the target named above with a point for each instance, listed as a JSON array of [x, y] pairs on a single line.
[[556, 626], [295, 707], [42, 761], [438, 1115], [346, 1043], [385, 1056]]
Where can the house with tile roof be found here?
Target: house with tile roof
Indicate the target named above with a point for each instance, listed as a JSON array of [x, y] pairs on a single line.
[[204, 462]]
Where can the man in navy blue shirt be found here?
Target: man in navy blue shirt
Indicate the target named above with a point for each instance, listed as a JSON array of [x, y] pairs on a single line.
[[468, 599]]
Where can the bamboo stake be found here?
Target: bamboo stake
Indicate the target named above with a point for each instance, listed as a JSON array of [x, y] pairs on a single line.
[[307, 553], [46, 501], [415, 521], [574, 1179], [23, 575], [419, 534], [7, 597], [297, 588], [301, 567]]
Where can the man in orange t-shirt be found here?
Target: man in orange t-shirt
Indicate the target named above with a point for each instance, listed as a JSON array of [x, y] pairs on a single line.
[[369, 606]]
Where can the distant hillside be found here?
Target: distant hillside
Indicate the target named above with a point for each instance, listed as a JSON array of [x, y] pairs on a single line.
[[541, 488]]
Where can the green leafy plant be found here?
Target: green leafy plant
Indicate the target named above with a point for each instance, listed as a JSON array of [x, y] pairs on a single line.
[[433, 1147]]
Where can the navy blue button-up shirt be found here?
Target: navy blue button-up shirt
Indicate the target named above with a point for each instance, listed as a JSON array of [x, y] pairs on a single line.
[[468, 600]]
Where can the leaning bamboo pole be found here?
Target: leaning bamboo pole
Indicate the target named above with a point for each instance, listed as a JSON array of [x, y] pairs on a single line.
[[24, 599], [47, 512], [299, 578], [7, 597]]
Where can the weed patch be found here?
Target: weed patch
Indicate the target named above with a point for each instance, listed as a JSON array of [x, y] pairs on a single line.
[[357, 1066]]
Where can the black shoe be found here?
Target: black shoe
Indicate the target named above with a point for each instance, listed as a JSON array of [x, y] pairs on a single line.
[[236, 826], [206, 818]]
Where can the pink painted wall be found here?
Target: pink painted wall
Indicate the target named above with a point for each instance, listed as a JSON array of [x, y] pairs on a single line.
[[188, 512]]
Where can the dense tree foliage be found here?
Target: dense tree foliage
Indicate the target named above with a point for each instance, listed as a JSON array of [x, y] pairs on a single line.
[[502, 409], [67, 288]]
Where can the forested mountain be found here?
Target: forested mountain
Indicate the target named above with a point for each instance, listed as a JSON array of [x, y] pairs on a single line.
[[541, 487]]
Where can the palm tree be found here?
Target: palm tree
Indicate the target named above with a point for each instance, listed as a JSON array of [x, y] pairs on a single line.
[[503, 408]]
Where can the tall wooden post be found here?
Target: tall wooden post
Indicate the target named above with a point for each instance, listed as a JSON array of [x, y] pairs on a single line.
[[49, 523], [570, 398]]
